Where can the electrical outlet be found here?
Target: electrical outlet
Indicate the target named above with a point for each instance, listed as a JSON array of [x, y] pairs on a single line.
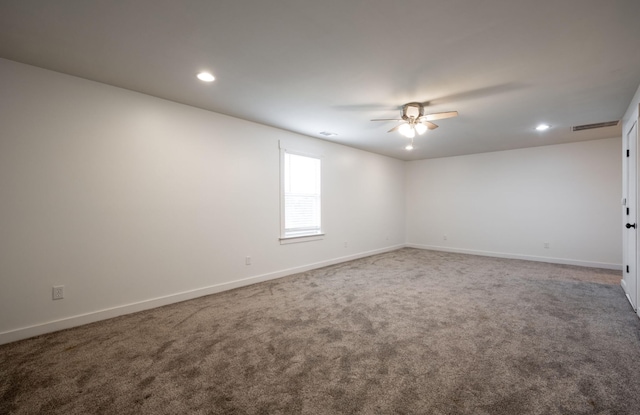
[[58, 292], [346, 244], [247, 260], [546, 245], [444, 237]]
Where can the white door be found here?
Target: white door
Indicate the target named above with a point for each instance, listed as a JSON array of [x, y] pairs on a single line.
[[630, 257]]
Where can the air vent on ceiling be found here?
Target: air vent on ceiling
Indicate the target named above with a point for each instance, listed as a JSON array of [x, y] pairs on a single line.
[[596, 125]]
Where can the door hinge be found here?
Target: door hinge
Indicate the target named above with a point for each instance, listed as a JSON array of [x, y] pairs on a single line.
[[627, 211], [627, 153], [627, 269]]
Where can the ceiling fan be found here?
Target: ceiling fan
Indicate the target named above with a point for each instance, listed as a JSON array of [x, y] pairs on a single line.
[[414, 120]]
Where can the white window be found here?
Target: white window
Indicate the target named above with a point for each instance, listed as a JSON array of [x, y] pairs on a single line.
[[300, 201]]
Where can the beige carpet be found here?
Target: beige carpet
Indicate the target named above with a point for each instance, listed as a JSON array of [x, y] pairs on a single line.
[[407, 332]]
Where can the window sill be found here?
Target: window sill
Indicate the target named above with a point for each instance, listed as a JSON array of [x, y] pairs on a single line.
[[298, 239]]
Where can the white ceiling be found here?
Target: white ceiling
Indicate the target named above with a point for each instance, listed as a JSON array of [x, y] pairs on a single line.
[[332, 65]]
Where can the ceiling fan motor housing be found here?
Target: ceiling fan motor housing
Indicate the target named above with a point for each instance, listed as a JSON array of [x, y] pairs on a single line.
[[412, 110]]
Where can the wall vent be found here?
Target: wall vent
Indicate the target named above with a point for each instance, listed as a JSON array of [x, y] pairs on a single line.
[[596, 125]]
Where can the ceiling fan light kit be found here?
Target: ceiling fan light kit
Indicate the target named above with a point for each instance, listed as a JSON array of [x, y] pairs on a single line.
[[407, 130], [415, 121], [421, 128]]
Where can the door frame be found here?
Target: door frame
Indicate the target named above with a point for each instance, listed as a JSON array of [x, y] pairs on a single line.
[[629, 282]]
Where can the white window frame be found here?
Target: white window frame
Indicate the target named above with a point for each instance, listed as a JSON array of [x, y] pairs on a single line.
[[284, 239]]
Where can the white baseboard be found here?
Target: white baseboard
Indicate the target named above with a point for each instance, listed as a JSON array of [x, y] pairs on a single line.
[[81, 319], [551, 260], [625, 289]]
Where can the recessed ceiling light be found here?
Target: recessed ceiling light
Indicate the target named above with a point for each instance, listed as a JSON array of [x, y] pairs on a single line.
[[543, 127], [206, 77]]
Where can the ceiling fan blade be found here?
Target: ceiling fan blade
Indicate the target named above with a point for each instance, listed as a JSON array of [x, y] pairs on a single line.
[[439, 115], [387, 119], [478, 93], [396, 127], [430, 125]]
